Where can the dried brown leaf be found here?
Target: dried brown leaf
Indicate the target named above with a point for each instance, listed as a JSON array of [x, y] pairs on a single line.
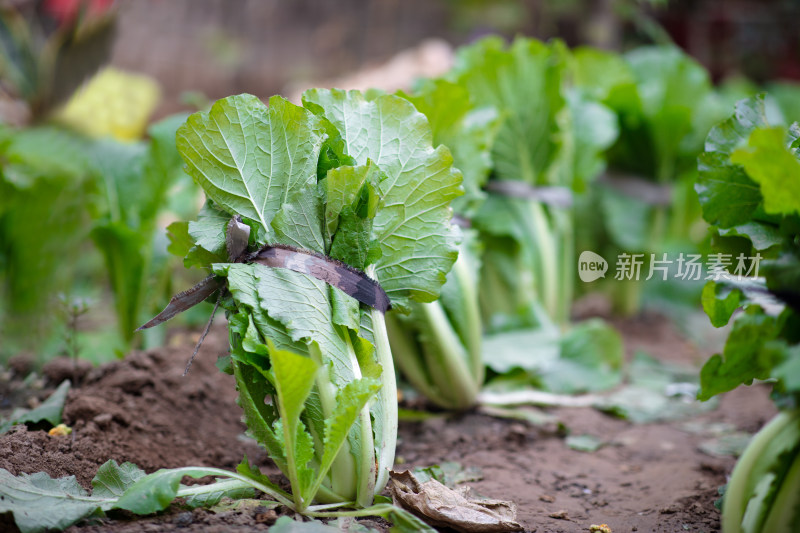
[[444, 507]]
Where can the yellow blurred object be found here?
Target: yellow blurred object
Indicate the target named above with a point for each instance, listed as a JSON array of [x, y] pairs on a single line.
[[61, 430], [602, 528], [113, 103]]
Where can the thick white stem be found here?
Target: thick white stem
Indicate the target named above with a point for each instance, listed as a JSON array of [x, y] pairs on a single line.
[[387, 396]]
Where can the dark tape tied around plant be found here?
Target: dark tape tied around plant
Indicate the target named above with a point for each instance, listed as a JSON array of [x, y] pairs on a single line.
[[639, 188], [349, 280], [551, 195]]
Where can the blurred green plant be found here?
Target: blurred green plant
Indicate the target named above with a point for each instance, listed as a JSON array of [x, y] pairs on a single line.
[[550, 144], [526, 141], [136, 181], [45, 188], [437, 345], [61, 191], [665, 105]]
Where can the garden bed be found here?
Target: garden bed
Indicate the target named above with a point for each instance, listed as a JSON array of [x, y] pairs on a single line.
[[647, 477]]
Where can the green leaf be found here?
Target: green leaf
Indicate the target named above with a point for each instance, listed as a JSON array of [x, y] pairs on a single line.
[[594, 129], [748, 355], [255, 475], [469, 130], [162, 168], [761, 234], [154, 492], [417, 244], [180, 242], [231, 491], [672, 88], [530, 349], [627, 220], [448, 473], [122, 249], [719, 303], [524, 83], [251, 159], [50, 410], [304, 309], [45, 153], [768, 161], [294, 378], [345, 186], [788, 372], [112, 479], [602, 75], [286, 524], [40, 503], [402, 520], [208, 234], [591, 359], [727, 195], [300, 222], [350, 400]]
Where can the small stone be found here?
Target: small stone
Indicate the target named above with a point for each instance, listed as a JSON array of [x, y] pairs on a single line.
[[547, 498], [560, 515], [265, 516], [183, 519], [103, 420]]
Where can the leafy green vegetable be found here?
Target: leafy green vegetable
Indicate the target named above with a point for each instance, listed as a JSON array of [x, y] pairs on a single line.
[[746, 176], [351, 177], [137, 179], [50, 410], [665, 105], [437, 346], [749, 178], [45, 181], [551, 136], [762, 494]]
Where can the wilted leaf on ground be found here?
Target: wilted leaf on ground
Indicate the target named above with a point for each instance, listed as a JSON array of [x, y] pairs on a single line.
[[731, 444], [584, 443], [444, 507], [40, 503], [287, 525], [531, 415], [246, 505]]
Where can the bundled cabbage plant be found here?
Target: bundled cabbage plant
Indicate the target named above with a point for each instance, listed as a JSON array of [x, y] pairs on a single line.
[[749, 189], [437, 345], [526, 140], [547, 148], [331, 211]]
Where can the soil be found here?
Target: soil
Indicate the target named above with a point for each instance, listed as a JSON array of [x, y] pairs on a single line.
[[649, 477]]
